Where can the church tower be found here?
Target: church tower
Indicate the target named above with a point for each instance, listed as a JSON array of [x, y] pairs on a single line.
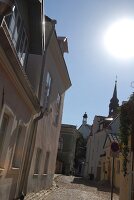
[[85, 118], [114, 103]]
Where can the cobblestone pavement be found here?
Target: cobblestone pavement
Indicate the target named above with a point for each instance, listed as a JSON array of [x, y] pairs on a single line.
[[74, 188]]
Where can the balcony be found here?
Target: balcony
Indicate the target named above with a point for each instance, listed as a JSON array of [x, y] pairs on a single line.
[[18, 35], [14, 46]]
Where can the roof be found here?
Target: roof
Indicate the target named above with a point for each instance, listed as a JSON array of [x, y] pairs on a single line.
[[68, 126]]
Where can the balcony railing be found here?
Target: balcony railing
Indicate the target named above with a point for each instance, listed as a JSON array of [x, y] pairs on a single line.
[[18, 34]]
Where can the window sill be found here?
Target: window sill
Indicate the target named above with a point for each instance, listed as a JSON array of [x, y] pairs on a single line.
[[44, 174], [1, 170], [35, 175], [13, 171], [15, 168]]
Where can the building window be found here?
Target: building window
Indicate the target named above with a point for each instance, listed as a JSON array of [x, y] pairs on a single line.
[[56, 118], [37, 161], [56, 114], [47, 89], [58, 101], [3, 130], [18, 148], [60, 144], [18, 35], [48, 85], [46, 162]]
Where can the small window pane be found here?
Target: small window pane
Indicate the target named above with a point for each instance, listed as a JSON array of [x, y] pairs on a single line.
[[18, 35], [17, 29], [48, 84], [12, 25], [23, 56], [37, 162]]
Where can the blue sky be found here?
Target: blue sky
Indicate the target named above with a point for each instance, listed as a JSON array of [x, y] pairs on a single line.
[[92, 69]]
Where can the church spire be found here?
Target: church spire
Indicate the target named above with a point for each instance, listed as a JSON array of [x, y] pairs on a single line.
[[114, 102]]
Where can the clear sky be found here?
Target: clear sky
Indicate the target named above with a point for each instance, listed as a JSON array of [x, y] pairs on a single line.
[[92, 69]]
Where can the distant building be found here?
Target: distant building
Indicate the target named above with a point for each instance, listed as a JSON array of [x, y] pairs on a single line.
[[80, 154], [100, 129], [95, 146], [66, 152]]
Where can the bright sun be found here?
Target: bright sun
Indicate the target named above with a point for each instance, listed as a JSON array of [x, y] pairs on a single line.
[[119, 39]]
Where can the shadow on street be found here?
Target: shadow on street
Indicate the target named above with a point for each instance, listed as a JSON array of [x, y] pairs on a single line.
[[100, 185]]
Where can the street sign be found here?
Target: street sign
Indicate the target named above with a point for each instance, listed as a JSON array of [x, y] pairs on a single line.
[[115, 147]]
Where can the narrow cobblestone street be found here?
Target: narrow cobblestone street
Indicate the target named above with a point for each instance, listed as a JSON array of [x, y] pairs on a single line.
[[74, 188]]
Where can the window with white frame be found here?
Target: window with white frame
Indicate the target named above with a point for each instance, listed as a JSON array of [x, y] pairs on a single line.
[[58, 100], [18, 34], [3, 130], [18, 151], [56, 114], [47, 89], [37, 161]]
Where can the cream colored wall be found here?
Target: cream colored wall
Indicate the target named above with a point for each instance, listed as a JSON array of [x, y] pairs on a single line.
[[47, 133], [47, 139], [18, 112], [95, 147], [90, 147], [34, 70], [98, 148]]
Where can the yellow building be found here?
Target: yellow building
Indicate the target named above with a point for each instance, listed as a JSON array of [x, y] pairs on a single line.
[[107, 162]]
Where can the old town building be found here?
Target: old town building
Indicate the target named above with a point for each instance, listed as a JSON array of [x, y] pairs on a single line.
[[100, 129], [66, 151], [33, 80]]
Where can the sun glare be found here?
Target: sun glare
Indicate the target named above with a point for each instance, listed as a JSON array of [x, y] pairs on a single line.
[[119, 39]]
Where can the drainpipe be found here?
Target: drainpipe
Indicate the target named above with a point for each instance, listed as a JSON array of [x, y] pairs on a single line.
[[29, 155]]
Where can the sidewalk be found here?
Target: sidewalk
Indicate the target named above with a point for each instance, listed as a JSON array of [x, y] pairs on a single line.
[[42, 193]]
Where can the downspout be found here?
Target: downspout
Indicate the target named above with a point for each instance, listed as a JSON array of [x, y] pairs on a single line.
[[29, 154]]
